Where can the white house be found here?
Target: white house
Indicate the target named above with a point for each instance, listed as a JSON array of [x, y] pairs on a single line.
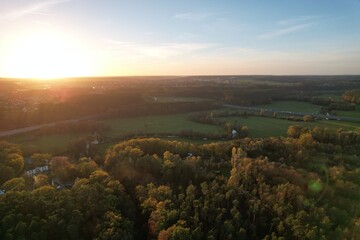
[[234, 133], [37, 170]]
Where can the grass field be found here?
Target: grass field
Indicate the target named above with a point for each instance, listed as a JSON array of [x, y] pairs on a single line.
[[355, 113], [177, 99], [47, 143], [157, 124], [293, 106], [119, 127], [258, 127], [334, 95], [339, 124], [268, 127]]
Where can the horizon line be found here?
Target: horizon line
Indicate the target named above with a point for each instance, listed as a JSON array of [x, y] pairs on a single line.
[[180, 75]]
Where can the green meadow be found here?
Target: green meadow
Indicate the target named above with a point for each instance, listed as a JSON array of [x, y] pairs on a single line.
[[45, 143], [297, 106], [170, 124], [119, 127], [293, 106], [355, 113], [157, 124], [272, 127]]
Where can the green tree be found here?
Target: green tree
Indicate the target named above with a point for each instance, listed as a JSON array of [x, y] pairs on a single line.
[[41, 159], [41, 180], [14, 184], [308, 118], [11, 161]]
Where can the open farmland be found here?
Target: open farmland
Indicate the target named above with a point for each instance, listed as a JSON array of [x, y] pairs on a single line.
[[272, 127], [294, 106], [355, 113], [157, 124], [119, 127], [46, 143], [171, 125]]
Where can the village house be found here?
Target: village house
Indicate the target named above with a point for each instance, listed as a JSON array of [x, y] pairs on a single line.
[[37, 170]]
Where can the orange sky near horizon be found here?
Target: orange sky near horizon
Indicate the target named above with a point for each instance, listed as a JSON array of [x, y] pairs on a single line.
[[47, 39]]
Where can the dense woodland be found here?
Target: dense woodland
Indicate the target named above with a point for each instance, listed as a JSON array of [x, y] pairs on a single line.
[[304, 186]]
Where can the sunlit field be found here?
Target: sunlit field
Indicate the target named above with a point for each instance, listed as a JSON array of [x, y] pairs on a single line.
[[120, 127], [53, 143]]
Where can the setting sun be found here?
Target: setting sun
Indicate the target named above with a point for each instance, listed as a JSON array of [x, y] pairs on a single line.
[[44, 55]]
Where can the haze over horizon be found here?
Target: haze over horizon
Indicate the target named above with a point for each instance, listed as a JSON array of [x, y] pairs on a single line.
[[74, 38]]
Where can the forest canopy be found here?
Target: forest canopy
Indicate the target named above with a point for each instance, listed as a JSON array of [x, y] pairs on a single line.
[[304, 186]]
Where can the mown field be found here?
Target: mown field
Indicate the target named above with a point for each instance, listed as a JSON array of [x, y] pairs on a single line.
[[118, 127], [169, 124], [44, 143], [297, 106], [157, 124], [272, 127], [333, 96], [293, 106], [355, 113]]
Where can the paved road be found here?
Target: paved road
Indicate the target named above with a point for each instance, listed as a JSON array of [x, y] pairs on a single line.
[[36, 127], [316, 115]]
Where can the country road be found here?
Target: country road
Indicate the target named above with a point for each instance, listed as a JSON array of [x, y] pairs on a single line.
[[36, 127], [316, 115]]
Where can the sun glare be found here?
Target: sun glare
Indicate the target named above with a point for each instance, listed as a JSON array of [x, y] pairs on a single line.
[[46, 56]]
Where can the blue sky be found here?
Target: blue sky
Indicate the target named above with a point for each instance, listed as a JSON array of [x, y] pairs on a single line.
[[167, 37]]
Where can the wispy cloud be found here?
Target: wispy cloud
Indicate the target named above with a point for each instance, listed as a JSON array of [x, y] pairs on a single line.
[[194, 16], [298, 20], [118, 44], [162, 51], [172, 49], [224, 25], [43, 23], [186, 36], [39, 8], [284, 31], [290, 25]]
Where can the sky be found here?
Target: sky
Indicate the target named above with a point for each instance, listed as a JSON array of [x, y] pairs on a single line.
[[65, 38]]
